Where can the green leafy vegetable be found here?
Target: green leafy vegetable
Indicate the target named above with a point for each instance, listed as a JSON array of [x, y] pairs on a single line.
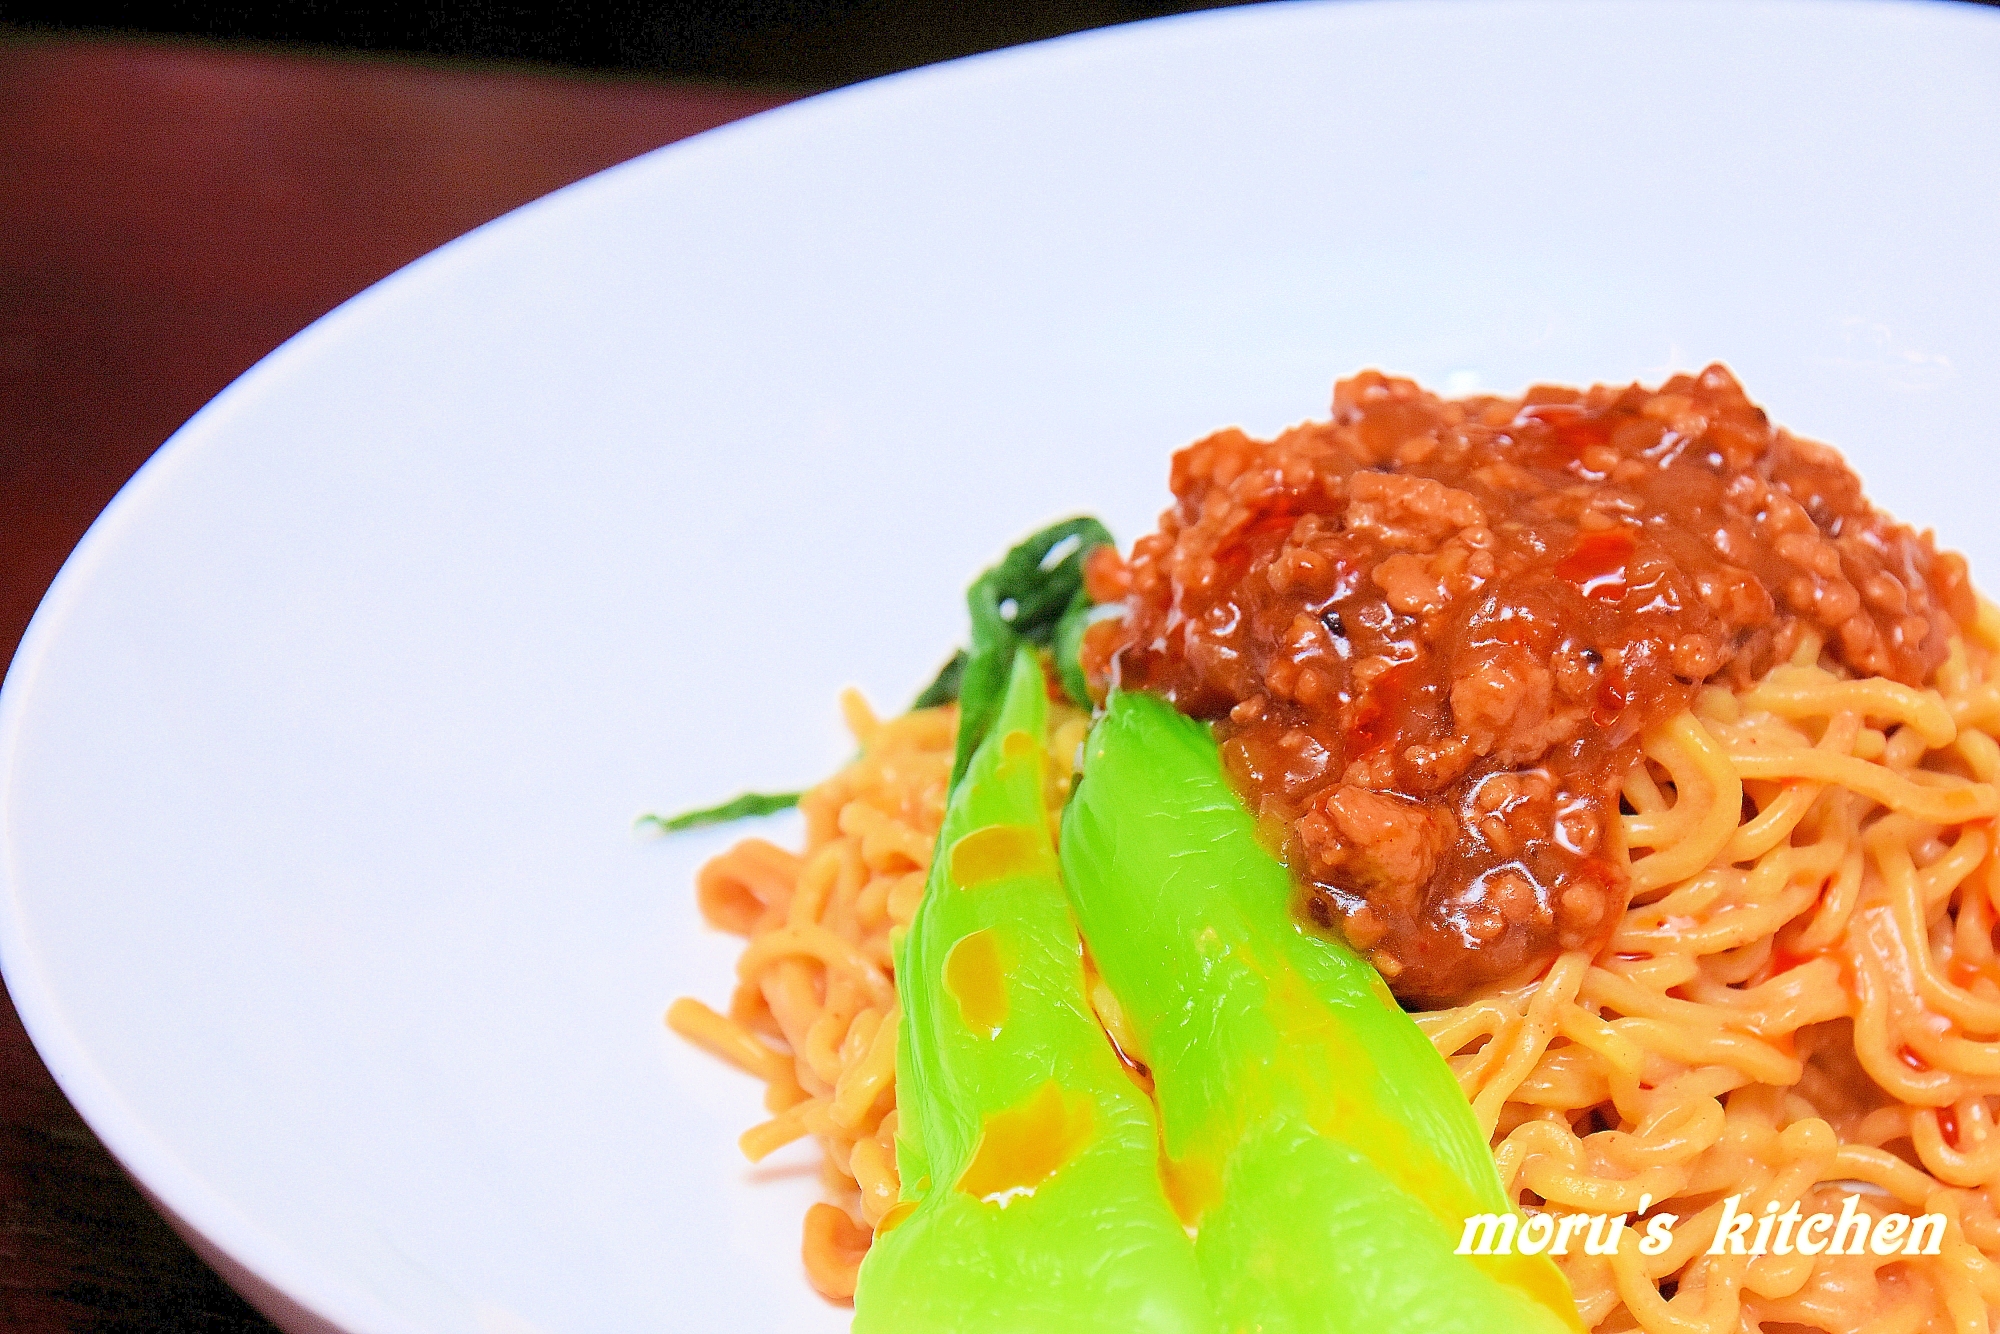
[[1067, 647], [943, 688], [1297, 1157], [1031, 1195], [1315, 1141], [736, 808], [1040, 577], [1025, 599]]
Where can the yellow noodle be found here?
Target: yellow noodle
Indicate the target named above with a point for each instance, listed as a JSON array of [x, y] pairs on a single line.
[[817, 969], [1866, 882], [815, 1015], [1840, 920]]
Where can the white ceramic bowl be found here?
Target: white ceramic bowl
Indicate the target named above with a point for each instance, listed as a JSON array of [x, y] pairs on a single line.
[[322, 898]]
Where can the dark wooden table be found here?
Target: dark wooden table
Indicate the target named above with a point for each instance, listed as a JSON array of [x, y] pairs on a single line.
[[169, 213]]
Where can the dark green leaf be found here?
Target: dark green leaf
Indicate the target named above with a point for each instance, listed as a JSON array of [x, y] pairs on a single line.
[[943, 688], [1028, 590], [1068, 647], [736, 808], [1023, 598]]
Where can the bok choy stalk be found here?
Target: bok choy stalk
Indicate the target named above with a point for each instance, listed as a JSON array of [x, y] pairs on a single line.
[[1032, 1201], [1312, 1137]]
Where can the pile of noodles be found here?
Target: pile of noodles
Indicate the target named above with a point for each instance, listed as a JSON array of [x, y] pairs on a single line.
[[1801, 1002]]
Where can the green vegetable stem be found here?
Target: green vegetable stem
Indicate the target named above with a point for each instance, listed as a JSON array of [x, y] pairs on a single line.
[[1312, 1137], [1032, 1198]]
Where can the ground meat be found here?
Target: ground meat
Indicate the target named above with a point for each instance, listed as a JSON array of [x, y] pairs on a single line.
[[1383, 844], [1431, 632]]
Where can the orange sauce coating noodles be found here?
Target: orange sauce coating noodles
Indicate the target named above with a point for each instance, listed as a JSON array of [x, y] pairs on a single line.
[[1803, 995]]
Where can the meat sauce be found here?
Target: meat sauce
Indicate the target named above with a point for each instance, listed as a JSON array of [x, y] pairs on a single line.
[[1430, 634]]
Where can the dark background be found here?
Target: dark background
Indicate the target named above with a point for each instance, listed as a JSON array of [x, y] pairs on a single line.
[[795, 44]]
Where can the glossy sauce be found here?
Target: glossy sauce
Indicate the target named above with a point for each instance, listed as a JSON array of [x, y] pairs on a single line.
[[1193, 1186], [975, 976], [997, 851], [1431, 633], [1024, 1146]]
